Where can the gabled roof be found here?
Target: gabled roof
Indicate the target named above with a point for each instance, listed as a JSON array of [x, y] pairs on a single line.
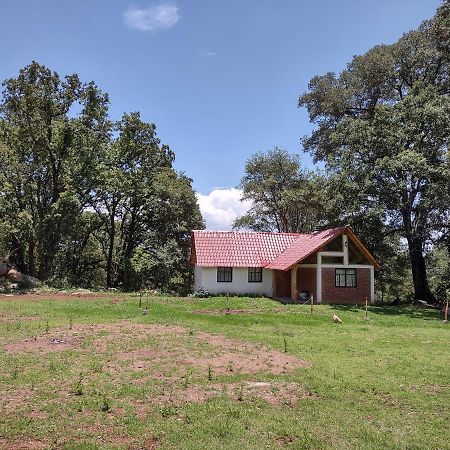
[[302, 247], [270, 250], [238, 249]]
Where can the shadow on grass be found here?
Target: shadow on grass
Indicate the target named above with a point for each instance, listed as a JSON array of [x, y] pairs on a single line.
[[407, 311]]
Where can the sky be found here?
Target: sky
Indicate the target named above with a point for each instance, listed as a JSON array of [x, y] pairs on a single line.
[[219, 78]]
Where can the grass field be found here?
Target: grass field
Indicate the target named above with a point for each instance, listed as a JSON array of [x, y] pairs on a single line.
[[85, 373]]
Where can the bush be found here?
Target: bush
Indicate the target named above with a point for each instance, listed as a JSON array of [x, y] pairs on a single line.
[[201, 293]]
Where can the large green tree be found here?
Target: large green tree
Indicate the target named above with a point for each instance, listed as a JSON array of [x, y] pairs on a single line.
[[46, 154], [285, 197], [383, 130], [86, 201]]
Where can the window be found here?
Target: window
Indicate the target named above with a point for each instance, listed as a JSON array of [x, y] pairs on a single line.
[[254, 274], [345, 277], [224, 274]]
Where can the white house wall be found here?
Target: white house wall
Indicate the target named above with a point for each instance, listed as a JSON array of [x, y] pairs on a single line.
[[206, 277]]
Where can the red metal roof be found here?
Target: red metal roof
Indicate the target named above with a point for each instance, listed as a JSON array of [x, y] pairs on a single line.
[[252, 249]]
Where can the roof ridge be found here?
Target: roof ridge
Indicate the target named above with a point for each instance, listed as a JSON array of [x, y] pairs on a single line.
[[251, 232]]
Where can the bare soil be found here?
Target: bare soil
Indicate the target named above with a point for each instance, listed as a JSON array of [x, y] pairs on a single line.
[[176, 365], [228, 311], [64, 295], [23, 444]]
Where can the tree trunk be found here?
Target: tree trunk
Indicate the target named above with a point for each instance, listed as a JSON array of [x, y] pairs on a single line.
[[31, 260], [109, 262], [47, 258], [419, 273]]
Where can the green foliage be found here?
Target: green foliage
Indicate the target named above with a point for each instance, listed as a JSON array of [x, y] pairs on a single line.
[[85, 201], [383, 130], [285, 197], [201, 293]]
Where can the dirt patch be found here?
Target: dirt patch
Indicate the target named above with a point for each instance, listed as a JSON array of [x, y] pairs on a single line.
[[228, 311], [11, 318], [388, 400], [45, 344], [165, 348], [100, 336], [237, 356], [272, 392], [208, 353], [285, 440], [45, 296], [23, 444], [436, 389], [14, 400]]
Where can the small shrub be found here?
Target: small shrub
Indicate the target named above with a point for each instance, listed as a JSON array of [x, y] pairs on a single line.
[[169, 410], [240, 393], [14, 373], [201, 293], [97, 367], [78, 388], [106, 405]]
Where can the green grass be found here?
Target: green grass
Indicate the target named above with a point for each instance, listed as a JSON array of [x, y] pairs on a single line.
[[382, 383]]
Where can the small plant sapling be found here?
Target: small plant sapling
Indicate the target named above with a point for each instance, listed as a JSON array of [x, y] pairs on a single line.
[[78, 389], [240, 393], [106, 406]]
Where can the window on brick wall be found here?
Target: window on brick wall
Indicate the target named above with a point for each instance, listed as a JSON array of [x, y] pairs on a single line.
[[345, 277], [224, 274], [254, 274]]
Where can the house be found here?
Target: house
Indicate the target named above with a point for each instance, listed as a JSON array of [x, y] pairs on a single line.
[[332, 265]]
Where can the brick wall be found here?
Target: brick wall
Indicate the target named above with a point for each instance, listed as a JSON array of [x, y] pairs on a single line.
[[345, 295]]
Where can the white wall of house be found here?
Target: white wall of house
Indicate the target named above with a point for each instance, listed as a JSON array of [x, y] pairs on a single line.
[[206, 277]]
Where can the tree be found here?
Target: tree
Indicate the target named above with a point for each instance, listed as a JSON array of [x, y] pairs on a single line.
[[46, 153], [162, 256], [85, 201], [285, 197], [383, 126]]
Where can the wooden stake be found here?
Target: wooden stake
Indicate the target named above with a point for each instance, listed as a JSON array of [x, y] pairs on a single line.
[[367, 316], [312, 302]]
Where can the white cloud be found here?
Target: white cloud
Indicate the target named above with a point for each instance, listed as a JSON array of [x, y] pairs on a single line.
[[221, 207], [152, 18]]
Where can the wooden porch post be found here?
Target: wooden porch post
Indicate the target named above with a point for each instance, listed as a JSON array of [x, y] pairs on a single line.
[[294, 284]]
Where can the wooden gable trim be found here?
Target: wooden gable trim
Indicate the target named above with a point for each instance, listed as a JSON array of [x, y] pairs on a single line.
[[362, 248], [348, 231], [317, 249]]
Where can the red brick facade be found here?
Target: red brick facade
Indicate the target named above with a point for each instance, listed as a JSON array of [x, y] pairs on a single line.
[[345, 295]]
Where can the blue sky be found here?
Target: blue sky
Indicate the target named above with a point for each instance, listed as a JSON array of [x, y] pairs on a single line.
[[220, 79]]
